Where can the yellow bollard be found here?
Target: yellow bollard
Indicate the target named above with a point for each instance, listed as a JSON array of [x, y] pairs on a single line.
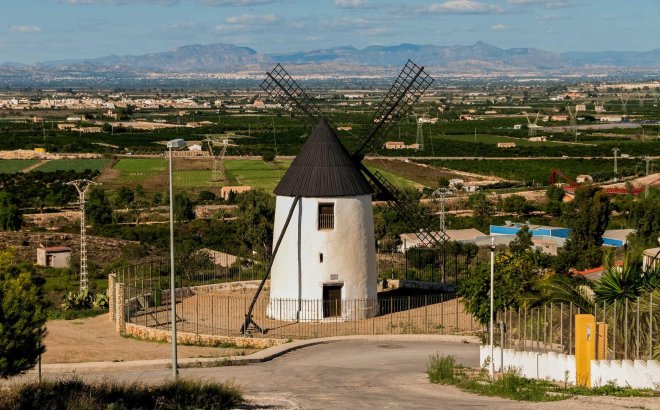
[[601, 341], [585, 348]]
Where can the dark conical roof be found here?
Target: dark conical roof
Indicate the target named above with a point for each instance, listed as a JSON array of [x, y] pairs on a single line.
[[323, 168]]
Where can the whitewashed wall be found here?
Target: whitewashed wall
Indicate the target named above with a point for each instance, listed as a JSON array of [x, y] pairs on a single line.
[[349, 251], [534, 365], [638, 374]]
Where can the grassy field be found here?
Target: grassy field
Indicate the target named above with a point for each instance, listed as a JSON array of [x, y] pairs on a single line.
[[10, 166], [257, 174], [77, 165], [536, 170], [194, 175]]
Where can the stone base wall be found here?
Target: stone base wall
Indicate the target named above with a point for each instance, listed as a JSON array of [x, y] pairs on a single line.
[[639, 374], [161, 335]]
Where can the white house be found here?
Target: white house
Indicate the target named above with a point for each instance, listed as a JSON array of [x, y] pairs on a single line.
[[54, 256], [194, 147], [327, 256]]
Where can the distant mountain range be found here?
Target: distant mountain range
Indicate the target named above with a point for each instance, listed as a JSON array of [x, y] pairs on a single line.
[[479, 57]]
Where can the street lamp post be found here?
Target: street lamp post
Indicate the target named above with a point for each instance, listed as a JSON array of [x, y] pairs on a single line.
[[173, 144], [492, 299], [615, 151]]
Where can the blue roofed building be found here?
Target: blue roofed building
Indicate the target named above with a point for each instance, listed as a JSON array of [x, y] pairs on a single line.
[[535, 230]]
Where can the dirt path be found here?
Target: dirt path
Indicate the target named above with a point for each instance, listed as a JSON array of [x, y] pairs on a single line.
[[34, 166], [94, 340]]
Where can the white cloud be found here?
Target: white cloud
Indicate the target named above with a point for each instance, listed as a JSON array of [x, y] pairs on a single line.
[[252, 19], [119, 2], [249, 23], [500, 27], [235, 3], [352, 4], [464, 7], [558, 5], [375, 31], [25, 29]]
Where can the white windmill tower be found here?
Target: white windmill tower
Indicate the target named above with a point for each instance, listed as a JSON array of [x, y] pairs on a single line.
[[327, 254], [324, 252]]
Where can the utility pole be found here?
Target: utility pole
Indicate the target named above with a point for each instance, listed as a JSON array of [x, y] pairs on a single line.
[[82, 185], [615, 150], [442, 193], [646, 189]]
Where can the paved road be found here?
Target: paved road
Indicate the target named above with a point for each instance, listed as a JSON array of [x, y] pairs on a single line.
[[352, 375]]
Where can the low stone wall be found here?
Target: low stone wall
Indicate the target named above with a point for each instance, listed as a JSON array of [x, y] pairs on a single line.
[[534, 365], [639, 374], [161, 335]]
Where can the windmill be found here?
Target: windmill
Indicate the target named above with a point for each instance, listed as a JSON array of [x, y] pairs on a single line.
[[218, 173], [331, 189], [532, 127]]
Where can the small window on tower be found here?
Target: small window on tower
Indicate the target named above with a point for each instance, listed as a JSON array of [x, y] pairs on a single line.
[[321, 257], [326, 216]]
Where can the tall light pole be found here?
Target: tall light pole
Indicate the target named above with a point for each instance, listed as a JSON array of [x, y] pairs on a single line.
[[615, 150], [173, 144], [492, 300], [646, 189]]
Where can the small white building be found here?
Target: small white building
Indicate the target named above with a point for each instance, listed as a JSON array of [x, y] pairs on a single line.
[[326, 264], [54, 256], [584, 179], [194, 147]]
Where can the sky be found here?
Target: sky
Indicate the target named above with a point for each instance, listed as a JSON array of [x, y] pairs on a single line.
[[44, 30]]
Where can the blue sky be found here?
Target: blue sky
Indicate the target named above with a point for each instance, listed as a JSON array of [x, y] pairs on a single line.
[[39, 30]]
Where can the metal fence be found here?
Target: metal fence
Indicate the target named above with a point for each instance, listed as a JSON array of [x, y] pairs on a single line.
[[428, 265], [631, 331], [223, 315], [434, 265]]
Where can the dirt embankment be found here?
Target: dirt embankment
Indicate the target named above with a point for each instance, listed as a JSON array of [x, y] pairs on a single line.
[[104, 250], [28, 154]]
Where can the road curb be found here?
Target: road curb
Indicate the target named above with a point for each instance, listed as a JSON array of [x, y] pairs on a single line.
[[257, 357]]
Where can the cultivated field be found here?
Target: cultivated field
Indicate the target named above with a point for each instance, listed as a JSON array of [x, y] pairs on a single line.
[[536, 170], [10, 166], [77, 165]]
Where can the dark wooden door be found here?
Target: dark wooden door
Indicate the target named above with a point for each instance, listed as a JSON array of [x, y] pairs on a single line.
[[331, 300]]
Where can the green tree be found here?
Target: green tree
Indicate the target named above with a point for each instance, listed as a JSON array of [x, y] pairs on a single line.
[[184, 208], [515, 277], [554, 198], [255, 215], [523, 241], [125, 197], [644, 216], [587, 217], [98, 208], [483, 210], [11, 217], [22, 318], [516, 204]]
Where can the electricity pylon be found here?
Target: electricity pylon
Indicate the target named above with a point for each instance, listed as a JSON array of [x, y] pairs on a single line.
[[218, 173], [82, 185]]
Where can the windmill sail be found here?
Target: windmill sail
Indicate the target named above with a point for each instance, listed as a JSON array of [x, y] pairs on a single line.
[[285, 90]]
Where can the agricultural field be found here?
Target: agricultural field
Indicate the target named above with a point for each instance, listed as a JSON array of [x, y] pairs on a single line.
[[195, 174], [11, 166], [494, 139], [76, 165], [538, 170]]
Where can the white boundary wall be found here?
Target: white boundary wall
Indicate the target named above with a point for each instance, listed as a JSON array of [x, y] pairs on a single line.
[[639, 374], [533, 365]]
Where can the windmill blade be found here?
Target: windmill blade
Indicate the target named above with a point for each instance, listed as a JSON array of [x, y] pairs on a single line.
[[411, 214], [406, 90], [285, 90]]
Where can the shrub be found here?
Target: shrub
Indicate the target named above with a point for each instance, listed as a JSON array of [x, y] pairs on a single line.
[[441, 369], [66, 394]]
